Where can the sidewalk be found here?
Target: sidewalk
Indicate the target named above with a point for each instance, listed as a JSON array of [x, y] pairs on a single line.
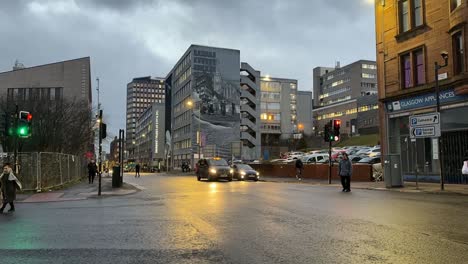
[[80, 191], [409, 187]]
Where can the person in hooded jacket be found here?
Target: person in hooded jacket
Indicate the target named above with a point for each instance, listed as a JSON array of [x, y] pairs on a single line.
[[9, 184]]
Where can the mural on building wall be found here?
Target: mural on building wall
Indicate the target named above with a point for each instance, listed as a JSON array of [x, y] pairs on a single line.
[[217, 102]]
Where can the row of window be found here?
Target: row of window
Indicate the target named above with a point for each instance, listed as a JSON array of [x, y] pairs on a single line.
[[183, 105], [184, 63], [183, 92], [183, 118], [211, 62], [336, 73], [342, 90], [270, 106], [271, 96], [334, 84], [183, 144], [270, 127], [184, 77], [204, 68], [182, 131], [26, 94], [369, 66], [368, 76], [270, 117], [368, 85], [202, 53], [341, 99], [349, 111], [148, 85], [270, 87]]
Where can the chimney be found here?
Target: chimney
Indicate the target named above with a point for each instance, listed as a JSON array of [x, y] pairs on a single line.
[[337, 65]]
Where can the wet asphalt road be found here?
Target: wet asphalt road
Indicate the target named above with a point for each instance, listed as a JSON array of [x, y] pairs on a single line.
[[179, 220]]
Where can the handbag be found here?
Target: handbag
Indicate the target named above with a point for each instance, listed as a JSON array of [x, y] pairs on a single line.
[[465, 167]]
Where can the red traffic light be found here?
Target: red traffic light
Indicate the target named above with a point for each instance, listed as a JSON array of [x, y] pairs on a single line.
[[29, 117]]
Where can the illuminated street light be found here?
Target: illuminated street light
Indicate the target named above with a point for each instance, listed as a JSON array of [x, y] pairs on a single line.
[[190, 103]]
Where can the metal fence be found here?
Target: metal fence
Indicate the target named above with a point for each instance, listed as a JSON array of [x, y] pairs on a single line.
[[44, 170]]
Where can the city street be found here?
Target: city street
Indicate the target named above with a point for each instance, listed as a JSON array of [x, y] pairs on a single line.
[[175, 219]]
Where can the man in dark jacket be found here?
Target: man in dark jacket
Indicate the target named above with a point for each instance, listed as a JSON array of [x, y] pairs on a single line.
[[299, 168], [8, 185], [345, 170], [92, 170], [137, 170]]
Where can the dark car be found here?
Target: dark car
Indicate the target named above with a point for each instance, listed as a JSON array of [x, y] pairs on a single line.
[[244, 172], [370, 160], [213, 169]]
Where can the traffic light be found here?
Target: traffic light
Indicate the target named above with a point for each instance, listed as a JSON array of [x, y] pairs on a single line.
[[336, 129], [103, 131], [326, 133], [23, 130]]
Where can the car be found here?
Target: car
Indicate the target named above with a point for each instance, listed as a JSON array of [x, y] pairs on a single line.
[[213, 169], [244, 172], [374, 153], [370, 160], [279, 161], [315, 158], [295, 155], [354, 158]]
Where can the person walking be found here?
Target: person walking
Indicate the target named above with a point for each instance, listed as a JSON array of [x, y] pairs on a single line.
[[137, 170], [92, 170], [9, 184], [345, 171], [299, 168]]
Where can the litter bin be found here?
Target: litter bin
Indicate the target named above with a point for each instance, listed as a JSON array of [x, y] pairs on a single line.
[[116, 179]]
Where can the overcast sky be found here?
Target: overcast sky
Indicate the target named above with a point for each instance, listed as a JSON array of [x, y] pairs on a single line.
[[134, 38]]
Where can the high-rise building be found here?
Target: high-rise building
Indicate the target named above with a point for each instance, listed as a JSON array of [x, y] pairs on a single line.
[[141, 93], [278, 110], [205, 114], [304, 112], [150, 139], [411, 37], [339, 93]]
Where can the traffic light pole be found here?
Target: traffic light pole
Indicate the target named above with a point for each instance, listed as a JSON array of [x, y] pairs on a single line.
[[15, 141], [100, 152], [329, 161]]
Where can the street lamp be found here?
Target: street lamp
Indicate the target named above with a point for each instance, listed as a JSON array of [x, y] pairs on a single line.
[[190, 104], [437, 67]]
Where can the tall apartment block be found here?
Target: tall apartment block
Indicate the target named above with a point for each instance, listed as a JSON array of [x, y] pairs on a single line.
[[141, 93], [304, 113], [150, 138], [205, 109], [278, 109], [250, 113], [411, 37], [347, 93]]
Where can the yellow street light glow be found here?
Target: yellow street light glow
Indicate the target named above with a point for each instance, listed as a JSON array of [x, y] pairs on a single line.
[[189, 103]]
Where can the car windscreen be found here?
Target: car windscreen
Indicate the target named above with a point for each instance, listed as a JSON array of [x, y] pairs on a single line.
[[244, 167], [216, 162]]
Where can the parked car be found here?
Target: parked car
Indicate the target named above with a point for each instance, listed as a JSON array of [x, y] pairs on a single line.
[[279, 161], [374, 153], [354, 158], [295, 155], [244, 172], [370, 160], [214, 169], [315, 158]]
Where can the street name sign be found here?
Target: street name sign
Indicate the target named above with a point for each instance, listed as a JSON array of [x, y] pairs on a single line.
[[425, 126]]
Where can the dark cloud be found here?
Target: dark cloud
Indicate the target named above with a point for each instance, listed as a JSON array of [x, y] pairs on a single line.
[[133, 38]]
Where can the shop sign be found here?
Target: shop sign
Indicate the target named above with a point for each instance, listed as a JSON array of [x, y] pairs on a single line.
[[426, 100]]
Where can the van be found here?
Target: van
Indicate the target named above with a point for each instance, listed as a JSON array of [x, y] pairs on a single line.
[[315, 158]]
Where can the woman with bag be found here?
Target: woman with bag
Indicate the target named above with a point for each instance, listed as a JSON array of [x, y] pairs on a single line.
[[465, 166], [9, 184]]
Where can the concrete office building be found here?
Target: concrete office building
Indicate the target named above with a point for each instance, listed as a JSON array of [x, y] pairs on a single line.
[[250, 113], [278, 109], [69, 79], [141, 94], [205, 108], [150, 139], [336, 94], [410, 41], [304, 113]]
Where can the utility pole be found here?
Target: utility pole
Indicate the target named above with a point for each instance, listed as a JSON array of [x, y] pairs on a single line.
[[15, 140], [98, 92], [437, 67], [100, 151]]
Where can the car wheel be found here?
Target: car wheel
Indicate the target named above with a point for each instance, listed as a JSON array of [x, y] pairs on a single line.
[[230, 179], [198, 178], [256, 180]]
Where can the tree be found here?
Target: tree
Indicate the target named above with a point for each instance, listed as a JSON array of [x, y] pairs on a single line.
[[63, 126]]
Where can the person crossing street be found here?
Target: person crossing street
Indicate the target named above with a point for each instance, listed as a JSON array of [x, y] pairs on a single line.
[[8, 185]]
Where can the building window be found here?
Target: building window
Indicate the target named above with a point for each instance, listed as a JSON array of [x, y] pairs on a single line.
[[368, 76], [411, 14], [458, 53], [454, 4], [413, 70]]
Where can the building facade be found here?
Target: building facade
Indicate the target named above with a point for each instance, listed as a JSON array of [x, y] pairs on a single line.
[[205, 104], [149, 137], [69, 79], [250, 113], [141, 94], [304, 113], [114, 150], [336, 94], [411, 37]]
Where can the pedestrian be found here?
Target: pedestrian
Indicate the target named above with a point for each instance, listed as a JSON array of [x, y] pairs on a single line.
[[92, 170], [299, 168], [465, 166], [345, 170], [9, 184], [137, 170]]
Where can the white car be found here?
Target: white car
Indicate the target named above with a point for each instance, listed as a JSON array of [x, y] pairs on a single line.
[[315, 158]]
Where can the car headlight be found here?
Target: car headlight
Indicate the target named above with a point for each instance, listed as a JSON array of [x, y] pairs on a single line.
[[231, 171], [213, 171], [242, 173], [258, 173]]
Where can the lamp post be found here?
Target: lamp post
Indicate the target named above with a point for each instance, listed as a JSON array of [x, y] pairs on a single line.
[[437, 67], [191, 105]]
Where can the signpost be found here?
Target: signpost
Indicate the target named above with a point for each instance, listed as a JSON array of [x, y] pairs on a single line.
[[425, 126]]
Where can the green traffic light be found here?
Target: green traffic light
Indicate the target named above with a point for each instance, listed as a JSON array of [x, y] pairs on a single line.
[[23, 131]]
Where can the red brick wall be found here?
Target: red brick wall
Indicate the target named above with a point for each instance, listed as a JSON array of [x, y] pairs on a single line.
[[361, 172]]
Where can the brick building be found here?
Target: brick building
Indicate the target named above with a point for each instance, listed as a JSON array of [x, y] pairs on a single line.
[[411, 35]]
